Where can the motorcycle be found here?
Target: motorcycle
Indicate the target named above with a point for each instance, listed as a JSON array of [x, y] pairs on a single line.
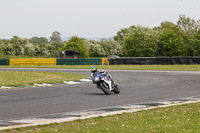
[[105, 84]]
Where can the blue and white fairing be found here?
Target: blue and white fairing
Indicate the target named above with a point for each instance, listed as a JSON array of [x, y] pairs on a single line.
[[100, 77]]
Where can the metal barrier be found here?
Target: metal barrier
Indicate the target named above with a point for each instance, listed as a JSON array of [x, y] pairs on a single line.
[[79, 61], [42, 62], [4, 61], [32, 62]]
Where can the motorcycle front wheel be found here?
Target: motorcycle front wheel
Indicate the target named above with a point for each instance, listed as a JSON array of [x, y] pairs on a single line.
[[105, 88]]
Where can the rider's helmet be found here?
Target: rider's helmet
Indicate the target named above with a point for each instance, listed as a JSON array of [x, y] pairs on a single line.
[[93, 69]]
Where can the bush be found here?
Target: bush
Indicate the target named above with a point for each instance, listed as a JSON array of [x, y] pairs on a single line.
[[171, 43], [78, 45], [141, 42]]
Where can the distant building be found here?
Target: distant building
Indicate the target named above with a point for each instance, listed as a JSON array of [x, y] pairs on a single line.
[[70, 54]]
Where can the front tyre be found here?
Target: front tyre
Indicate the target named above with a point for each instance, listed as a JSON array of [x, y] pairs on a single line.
[[105, 88], [116, 89]]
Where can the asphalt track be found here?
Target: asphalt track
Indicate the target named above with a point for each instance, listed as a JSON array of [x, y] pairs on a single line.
[[136, 87]]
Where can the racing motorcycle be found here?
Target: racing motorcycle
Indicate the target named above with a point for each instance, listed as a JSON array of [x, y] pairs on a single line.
[[105, 84]]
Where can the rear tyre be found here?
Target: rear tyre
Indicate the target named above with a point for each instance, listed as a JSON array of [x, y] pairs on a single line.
[[105, 88], [116, 89]]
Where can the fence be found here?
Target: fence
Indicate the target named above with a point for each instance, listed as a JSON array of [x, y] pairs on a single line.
[[79, 61], [52, 61], [4, 61], [102, 61], [155, 61], [32, 62]]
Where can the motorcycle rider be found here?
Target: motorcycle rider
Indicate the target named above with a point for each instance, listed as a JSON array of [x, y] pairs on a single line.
[[95, 71]]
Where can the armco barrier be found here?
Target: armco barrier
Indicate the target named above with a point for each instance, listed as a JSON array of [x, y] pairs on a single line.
[[4, 61], [32, 62], [155, 61], [90, 61]]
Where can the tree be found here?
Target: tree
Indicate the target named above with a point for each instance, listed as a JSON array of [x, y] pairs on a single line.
[[188, 25], [169, 25], [94, 48], [171, 44], [121, 34], [141, 42], [54, 48], [104, 48], [189, 28], [41, 41], [31, 50], [57, 45], [1, 50], [8, 49], [77, 44], [55, 37], [112, 47], [21, 41], [17, 44], [195, 44]]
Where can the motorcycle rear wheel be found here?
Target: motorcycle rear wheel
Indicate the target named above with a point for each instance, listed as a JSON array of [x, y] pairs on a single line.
[[116, 89]]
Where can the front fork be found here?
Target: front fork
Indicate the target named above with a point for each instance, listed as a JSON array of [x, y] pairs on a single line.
[[109, 84]]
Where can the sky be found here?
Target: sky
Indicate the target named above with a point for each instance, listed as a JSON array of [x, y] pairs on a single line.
[[88, 18]]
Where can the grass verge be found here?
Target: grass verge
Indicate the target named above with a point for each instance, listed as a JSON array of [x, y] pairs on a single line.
[[9, 78], [120, 67], [176, 119]]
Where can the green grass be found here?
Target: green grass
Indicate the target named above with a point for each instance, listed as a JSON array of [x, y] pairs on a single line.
[[8, 78], [174, 119], [120, 67]]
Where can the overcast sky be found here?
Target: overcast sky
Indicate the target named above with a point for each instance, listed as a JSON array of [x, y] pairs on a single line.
[[88, 18]]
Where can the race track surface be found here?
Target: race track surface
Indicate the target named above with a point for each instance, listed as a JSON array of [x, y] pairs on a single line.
[[136, 87]]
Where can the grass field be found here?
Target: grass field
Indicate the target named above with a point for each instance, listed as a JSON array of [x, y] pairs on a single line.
[[120, 67], [174, 119], [9, 78]]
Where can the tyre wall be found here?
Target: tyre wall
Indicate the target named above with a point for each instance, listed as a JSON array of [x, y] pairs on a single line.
[[156, 61]]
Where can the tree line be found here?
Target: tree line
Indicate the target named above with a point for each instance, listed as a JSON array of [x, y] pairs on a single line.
[[168, 39], [33, 47]]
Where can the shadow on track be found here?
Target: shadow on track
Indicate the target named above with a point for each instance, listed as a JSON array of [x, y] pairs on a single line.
[[97, 94]]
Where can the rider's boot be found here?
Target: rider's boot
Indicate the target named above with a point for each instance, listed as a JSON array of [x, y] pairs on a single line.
[[98, 87]]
